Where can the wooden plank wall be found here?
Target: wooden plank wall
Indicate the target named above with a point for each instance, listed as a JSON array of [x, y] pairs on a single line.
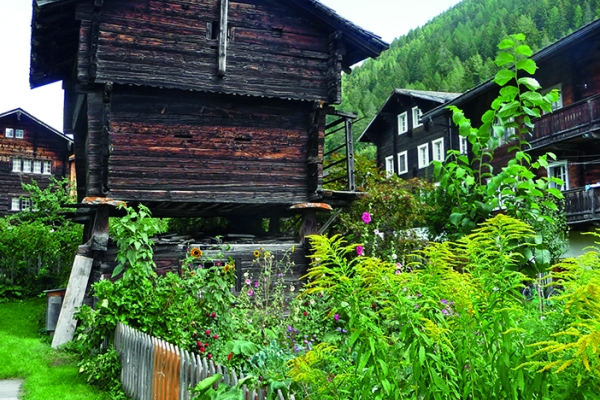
[[169, 258], [273, 49], [37, 144], [171, 145]]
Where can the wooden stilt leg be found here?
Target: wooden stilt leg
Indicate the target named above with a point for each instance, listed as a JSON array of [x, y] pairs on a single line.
[[79, 278]]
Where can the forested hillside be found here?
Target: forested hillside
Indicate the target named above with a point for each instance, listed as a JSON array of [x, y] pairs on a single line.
[[455, 50]]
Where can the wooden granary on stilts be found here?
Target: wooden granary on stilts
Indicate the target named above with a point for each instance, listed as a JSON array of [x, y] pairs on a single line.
[[195, 107]]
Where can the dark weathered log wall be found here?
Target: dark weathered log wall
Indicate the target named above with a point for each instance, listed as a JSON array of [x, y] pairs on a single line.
[[170, 257], [170, 145], [38, 144], [273, 48]]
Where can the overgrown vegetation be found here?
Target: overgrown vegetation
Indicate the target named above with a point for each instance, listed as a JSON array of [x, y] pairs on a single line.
[[37, 246]]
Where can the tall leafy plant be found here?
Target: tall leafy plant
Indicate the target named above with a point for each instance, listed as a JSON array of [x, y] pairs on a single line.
[[474, 188]]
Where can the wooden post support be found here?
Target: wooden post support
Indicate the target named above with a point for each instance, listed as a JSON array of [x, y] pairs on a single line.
[[309, 217], [80, 274], [223, 38]]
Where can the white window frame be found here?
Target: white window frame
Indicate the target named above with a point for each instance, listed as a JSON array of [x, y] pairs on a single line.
[[402, 123], [438, 144], [403, 166], [564, 176], [25, 203], [19, 133], [389, 166], [9, 132], [463, 145], [423, 155], [16, 165], [559, 103], [15, 204], [37, 167], [416, 114], [27, 165], [47, 168]]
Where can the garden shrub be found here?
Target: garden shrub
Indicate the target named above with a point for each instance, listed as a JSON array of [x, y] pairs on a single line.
[[425, 330], [37, 246]]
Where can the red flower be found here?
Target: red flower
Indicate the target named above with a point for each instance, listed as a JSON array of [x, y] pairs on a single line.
[[213, 315], [215, 336], [306, 313], [229, 356], [199, 343], [209, 356], [205, 344], [201, 349], [208, 332]]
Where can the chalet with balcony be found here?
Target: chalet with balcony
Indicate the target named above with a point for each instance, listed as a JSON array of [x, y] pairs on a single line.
[[29, 150], [571, 131], [404, 145]]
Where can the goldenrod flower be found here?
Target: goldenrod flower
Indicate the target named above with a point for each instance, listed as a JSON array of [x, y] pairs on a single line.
[[196, 252]]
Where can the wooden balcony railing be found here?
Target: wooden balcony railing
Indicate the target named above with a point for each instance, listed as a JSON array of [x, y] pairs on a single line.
[[582, 205], [571, 119]]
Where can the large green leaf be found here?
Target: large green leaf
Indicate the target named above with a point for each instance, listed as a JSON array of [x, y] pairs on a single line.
[[531, 83], [503, 77], [527, 65]]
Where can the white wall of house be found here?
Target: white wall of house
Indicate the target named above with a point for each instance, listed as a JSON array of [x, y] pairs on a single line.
[[578, 241]]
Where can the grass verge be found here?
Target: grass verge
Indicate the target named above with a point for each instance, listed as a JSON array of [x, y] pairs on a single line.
[[26, 354]]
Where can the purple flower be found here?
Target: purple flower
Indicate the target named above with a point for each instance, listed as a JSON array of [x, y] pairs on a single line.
[[360, 250], [366, 217], [336, 317], [250, 292], [444, 301], [256, 284], [248, 281], [398, 265], [398, 272], [445, 312]]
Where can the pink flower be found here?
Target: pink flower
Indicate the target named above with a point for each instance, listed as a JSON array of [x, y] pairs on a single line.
[[366, 217], [360, 250], [336, 317], [250, 292]]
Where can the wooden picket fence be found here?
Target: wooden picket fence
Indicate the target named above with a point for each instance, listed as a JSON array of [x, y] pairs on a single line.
[[153, 369]]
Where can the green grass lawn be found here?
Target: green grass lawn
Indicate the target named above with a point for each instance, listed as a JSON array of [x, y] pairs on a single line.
[[25, 353]]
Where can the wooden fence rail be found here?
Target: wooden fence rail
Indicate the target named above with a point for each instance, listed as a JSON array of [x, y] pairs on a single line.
[[153, 369]]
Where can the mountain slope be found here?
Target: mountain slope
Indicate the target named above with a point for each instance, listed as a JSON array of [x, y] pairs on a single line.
[[455, 50]]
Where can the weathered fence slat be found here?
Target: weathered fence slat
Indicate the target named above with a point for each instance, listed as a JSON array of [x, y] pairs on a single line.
[[153, 369]]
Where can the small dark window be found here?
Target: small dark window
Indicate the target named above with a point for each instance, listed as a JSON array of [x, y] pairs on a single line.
[[277, 32], [214, 30]]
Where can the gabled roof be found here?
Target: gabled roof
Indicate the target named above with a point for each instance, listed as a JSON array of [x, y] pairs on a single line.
[[55, 34], [560, 45], [20, 112], [437, 97]]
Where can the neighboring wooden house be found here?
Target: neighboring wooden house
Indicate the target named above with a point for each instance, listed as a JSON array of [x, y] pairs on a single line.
[[197, 107], [571, 131], [404, 145], [29, 150]]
